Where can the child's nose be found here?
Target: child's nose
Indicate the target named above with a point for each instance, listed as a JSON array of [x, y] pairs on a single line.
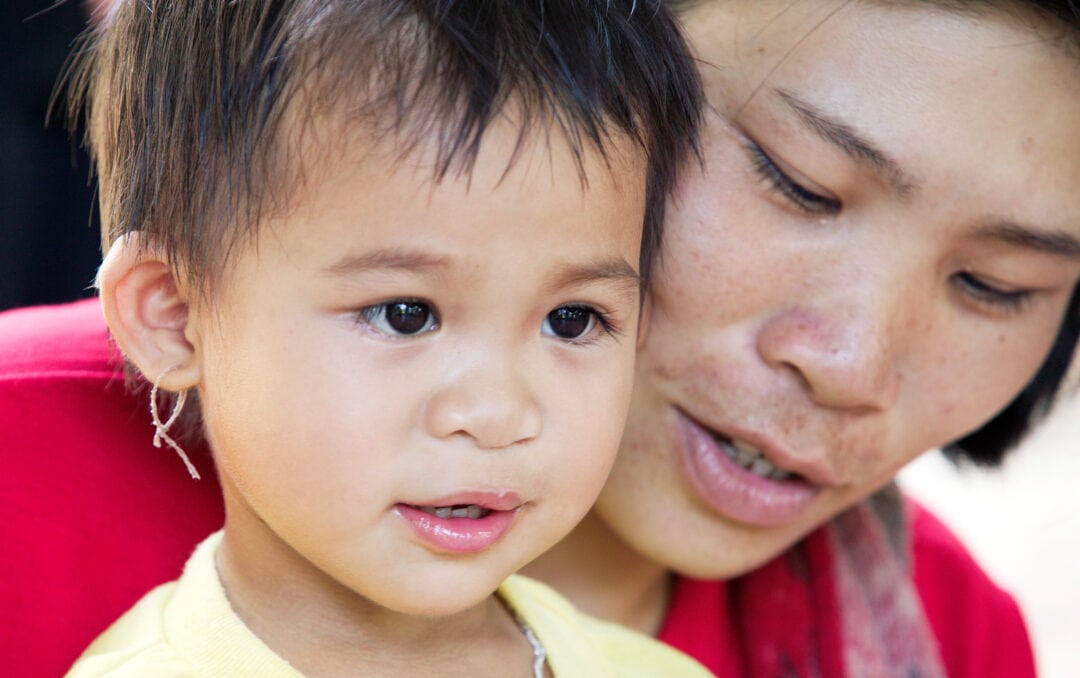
[[489, 402]]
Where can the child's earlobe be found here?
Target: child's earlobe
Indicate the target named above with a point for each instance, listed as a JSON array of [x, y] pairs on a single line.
[[147, 313]]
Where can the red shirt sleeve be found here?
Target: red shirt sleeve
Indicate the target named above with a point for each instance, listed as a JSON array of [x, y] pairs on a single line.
[[979, 627]]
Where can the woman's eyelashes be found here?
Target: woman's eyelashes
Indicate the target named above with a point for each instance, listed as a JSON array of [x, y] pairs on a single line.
[[989, 295], [575, 323], [798, 195]]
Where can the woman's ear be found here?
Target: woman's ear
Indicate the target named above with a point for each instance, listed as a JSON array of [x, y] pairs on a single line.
[[147, 313]]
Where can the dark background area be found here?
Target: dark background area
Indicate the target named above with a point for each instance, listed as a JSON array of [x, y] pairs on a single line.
[[48, 230]]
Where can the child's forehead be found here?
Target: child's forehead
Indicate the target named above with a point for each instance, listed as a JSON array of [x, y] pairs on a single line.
[[528, 199], [320, 146]]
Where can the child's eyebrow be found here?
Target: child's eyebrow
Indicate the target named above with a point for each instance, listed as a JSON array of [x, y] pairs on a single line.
[[385, 259], [613, 269]]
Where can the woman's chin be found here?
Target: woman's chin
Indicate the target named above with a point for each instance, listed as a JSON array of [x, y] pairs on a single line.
[[692, 540]]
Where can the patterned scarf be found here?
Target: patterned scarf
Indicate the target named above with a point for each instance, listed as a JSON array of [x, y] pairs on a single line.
[[840, 604]]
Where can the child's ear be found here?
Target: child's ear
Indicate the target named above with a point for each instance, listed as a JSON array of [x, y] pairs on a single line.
[[147, 313], [643, 321]]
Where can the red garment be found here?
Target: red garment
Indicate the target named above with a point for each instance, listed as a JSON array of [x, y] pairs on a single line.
[[781, 612], [93, 516], [979, 627]]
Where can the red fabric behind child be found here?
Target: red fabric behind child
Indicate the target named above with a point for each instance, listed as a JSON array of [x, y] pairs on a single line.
[[93, 516]]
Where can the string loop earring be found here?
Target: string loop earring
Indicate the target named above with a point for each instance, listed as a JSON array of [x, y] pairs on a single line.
[[161, 430]]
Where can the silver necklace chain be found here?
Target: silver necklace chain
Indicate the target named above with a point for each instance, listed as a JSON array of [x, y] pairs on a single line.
[[539, 653]]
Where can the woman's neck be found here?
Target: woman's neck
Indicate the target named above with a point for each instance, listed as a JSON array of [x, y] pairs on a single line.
[[605, 578]]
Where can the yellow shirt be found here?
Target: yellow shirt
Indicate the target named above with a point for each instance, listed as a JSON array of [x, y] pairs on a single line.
[[188, 628]]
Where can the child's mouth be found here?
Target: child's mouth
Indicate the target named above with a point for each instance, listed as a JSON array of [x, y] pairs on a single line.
[[461, 528], [473, 511]]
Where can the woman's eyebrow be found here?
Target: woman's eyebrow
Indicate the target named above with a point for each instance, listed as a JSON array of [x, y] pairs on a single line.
[[1055, 242], [862, 150], [852, 143]]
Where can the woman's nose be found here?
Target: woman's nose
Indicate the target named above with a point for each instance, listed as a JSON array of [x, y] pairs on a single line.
[[844, 354], [489, 402]]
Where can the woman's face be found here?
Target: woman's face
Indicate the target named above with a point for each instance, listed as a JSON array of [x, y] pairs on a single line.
[[874, 261]]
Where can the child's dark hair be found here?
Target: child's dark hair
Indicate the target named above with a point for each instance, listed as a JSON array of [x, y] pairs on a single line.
[[187, 100]]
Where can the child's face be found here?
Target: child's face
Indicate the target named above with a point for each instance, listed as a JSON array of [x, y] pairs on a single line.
[[394, 349], [875, 261]]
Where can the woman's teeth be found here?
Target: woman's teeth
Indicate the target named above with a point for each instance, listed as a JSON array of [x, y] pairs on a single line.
[[751, 459], [460, 511]]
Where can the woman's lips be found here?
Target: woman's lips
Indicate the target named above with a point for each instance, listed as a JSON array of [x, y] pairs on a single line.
[[464, 523], [715, 468]]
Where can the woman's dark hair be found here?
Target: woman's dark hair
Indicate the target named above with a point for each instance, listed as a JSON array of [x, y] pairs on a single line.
[[989, 444]]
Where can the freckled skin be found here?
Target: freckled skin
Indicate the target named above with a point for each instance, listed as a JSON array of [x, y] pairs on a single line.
[[859, 338]]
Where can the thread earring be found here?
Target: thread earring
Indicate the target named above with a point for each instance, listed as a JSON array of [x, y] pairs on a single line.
[[161, 430]]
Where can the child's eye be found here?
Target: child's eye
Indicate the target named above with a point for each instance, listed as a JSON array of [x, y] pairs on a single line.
[[799, 195], [574, 323], [400, 317], [989, 295]]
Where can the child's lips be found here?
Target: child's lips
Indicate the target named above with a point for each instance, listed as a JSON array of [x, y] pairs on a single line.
[[464, 522], [472, 511], [487, 500]]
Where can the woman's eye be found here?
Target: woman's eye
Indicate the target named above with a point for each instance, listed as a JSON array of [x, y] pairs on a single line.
[[791, 190], [573, 323], [402, 317], [989, 295]]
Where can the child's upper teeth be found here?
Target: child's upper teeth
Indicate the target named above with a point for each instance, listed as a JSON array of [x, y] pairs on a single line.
[[470, 511], [473, 511]]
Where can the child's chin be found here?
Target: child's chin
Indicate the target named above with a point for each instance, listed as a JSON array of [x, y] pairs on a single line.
[[440, 600]]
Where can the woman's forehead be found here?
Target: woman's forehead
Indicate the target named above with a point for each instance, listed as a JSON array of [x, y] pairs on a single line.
[[1055, 23], [924, 97]]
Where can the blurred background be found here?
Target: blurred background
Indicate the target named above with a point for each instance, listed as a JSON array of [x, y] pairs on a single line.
[[1022, 523], [48, 231]]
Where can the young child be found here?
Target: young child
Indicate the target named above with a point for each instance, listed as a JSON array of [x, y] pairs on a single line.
[[396, 249]]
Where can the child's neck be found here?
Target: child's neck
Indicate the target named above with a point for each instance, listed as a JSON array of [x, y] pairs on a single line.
[[604, 577], [324, 629]]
